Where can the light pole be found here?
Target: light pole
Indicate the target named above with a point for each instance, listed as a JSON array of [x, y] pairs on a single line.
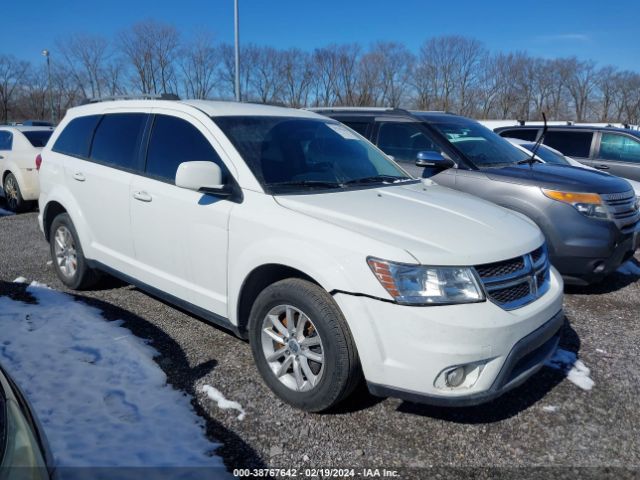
[[236, 21], [45, 53]]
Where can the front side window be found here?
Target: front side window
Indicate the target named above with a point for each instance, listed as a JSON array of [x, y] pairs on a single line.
[[571, 144], [289, 154], [478, 144], [172, 142], [75, 139], [6, 140], [38, 138], [117, 140], [620, 148], [403, 141]]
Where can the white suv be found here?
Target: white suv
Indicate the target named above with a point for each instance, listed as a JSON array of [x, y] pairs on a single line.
[[20, 147], [291, 230]]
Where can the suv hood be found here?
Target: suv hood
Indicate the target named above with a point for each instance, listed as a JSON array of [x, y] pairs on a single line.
[[436, 225], [559, 177]]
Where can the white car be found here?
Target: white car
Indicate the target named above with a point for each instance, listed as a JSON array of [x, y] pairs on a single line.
[[291, 230], [19, 149], [547, 154]]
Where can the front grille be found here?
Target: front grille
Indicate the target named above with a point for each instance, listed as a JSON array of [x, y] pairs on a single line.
[[518, 281], [500, 269], [511, 294], [622, 209]]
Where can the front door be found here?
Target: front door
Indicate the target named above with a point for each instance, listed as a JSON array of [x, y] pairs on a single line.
[[180, 236]]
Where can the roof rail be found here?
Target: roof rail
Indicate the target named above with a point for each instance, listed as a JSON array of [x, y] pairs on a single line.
[[141, 96]]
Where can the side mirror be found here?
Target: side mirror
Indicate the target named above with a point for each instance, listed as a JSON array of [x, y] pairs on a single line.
[[430, 158], [203, 177]]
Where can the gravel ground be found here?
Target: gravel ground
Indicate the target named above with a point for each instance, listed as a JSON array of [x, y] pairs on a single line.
[[597, 428]]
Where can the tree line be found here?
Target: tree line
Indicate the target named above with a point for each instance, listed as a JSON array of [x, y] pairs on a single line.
[[451, 73]]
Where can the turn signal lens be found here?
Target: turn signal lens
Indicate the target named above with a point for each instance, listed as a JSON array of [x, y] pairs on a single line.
[[573, 197]]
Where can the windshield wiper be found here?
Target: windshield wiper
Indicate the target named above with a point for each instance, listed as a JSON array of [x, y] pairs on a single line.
[[377, 179], [308, 183], [530, 161]]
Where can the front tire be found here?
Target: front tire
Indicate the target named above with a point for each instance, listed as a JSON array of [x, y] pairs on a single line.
[[12, 194], [68, 259], [302, 345]]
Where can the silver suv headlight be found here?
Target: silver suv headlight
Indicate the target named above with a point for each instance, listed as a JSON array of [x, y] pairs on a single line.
[[588, 204], [422, 285]]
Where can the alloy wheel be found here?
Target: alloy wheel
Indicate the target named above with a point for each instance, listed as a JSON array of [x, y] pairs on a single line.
[[293, 348]]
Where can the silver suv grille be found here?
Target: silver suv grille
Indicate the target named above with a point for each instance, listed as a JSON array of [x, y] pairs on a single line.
[[516, 282], [622, 209]]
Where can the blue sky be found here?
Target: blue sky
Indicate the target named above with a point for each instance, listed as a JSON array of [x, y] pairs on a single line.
[[606, 32]]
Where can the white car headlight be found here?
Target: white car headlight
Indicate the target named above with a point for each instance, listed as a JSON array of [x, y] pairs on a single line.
[[422, 285]]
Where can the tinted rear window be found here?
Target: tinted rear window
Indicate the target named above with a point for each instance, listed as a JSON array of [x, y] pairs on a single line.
[[38, 138], [75, 139], [172, 142], [571, 144], [117, 139], [521, 133]]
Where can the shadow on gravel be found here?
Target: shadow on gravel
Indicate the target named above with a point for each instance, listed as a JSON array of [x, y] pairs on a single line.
[[509, 404], [614, 282], [234, 451]]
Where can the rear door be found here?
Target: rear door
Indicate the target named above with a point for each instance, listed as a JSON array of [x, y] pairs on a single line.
[[618, 154], [100, 183], [180, 236]]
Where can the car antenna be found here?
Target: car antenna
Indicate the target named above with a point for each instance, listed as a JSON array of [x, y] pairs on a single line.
[[536, 146]]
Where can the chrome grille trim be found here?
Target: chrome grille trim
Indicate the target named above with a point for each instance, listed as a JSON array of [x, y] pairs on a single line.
[[622, 209], [521, 286]]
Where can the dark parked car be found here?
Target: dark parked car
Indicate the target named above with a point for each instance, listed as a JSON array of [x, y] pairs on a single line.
[[24, 453], [591, 219], [613, 150]]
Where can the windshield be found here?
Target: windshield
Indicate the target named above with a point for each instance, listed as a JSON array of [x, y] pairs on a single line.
[[290, 154], [546, 154], [478, 144], [38, 138]]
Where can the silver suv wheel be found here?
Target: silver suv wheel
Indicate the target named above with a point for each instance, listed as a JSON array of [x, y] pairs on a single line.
[[65, 252], [293, 348]]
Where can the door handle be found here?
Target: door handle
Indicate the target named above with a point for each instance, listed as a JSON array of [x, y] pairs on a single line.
[[602, 167], [79, 177], [142, 196]]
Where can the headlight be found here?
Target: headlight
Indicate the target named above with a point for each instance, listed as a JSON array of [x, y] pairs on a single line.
[[588, 204], [420, 285]]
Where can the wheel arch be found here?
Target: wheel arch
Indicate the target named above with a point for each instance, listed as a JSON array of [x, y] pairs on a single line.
[[256, 281]]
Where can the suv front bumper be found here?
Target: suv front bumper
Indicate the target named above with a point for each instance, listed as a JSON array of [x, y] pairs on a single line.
[[404, 350], [587, 260]]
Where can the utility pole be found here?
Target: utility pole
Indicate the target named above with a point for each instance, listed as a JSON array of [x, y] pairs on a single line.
[[237, 35], [45, 53]]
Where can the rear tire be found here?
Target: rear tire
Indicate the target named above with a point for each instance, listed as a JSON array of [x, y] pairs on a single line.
[[68, 259], [302, 345], [12, 194]]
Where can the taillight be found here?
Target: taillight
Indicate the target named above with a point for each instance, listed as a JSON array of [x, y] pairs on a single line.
[[38, 162]]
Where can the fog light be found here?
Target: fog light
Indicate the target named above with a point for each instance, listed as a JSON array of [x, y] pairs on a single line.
[[455, 377], [599, 268]]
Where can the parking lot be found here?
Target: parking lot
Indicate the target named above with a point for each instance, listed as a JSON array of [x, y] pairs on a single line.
[[547, 422]]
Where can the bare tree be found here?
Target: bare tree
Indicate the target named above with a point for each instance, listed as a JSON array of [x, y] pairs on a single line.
[[296, 77], [151, 48], [86, 56], [580, 81], [199, 63], [12, 74]]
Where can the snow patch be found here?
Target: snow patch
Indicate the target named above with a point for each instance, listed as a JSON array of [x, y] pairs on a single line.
[[99, 395], [550, 408], [629, 268], [20, 280], [217, 396], [575, 370]]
